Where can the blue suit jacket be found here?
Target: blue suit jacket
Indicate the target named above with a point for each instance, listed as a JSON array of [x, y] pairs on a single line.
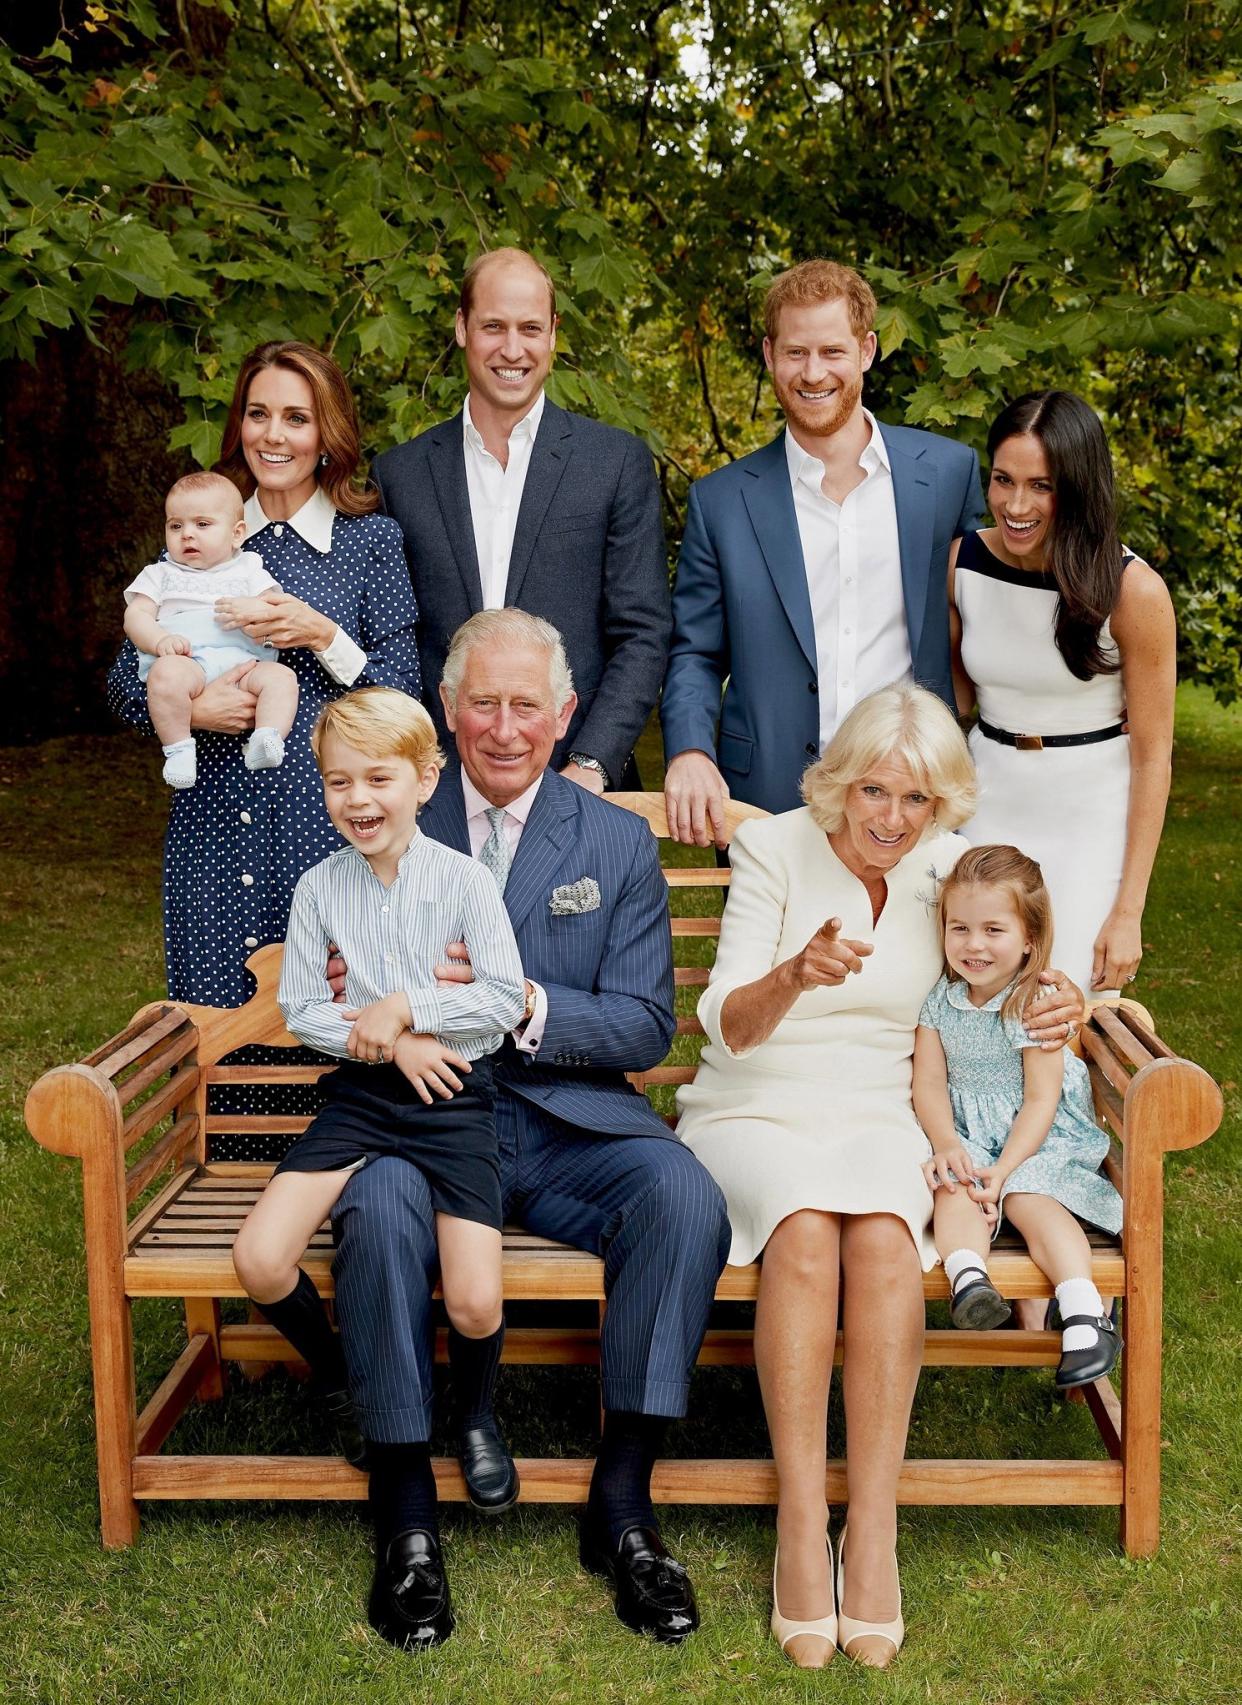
[[608, 972], [742, 611]]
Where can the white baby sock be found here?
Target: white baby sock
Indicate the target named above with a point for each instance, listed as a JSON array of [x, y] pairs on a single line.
[[265, 749], [1078, 1296], [181, 763], [960, 1263]]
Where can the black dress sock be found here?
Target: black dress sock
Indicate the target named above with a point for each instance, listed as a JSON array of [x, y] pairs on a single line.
[[402, 1493], [472, 1368], [303, 1320], [620, 1495]]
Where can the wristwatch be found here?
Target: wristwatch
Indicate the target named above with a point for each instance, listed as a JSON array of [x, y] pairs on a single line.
[[584, 762]]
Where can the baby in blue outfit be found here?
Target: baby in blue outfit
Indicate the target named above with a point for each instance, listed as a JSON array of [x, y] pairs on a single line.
[[183, 642]]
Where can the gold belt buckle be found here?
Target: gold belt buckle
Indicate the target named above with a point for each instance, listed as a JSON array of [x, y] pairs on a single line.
[[1029, 742]]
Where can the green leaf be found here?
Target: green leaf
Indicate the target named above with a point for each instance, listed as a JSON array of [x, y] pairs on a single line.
[[1184, 175]]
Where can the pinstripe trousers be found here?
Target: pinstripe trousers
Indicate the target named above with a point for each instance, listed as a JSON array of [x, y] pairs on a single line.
[[644, 1204]]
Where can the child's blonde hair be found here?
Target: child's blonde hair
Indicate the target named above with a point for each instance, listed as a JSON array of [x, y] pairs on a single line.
[[1023, 881], [381, 722], [211, 485]]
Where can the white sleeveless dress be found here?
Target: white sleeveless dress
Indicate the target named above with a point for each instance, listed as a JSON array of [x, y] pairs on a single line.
[[1065, 806]]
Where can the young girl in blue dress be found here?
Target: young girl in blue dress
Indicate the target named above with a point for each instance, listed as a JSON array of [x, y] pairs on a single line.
[[1011, 1124]]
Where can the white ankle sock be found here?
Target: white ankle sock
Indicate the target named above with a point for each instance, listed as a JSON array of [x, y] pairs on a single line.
[[265, 749], [181, 763], [960, 1263], [1078, 1296]]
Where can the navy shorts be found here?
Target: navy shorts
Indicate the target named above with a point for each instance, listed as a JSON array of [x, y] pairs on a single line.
[[371, 1111]]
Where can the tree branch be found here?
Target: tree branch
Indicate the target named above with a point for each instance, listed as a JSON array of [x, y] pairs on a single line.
[[717, 435]]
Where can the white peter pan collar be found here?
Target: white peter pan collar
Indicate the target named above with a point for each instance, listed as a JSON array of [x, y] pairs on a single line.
[[312, 522]]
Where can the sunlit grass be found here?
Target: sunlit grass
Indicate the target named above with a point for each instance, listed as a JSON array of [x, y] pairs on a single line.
[[265, 1602]]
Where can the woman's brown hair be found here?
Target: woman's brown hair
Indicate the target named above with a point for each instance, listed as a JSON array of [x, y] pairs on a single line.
[[334, 413], [1023, 881]]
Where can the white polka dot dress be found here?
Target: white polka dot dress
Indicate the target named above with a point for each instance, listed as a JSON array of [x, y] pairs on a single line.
[[239, 839]]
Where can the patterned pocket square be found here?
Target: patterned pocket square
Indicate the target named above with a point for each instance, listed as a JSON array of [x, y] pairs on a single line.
[[574, 897]]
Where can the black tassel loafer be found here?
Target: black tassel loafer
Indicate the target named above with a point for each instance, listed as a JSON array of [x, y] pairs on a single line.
[[653, 1591]]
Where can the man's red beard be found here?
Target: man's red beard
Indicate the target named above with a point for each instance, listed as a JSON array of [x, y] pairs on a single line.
[[823, 419]]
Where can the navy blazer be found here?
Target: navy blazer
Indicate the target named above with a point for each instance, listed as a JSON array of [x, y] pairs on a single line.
[[588, 555], [742, 611], [608, 972]]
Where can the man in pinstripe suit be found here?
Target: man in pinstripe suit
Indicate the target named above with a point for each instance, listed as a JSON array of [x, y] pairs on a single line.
[[584, 1157]]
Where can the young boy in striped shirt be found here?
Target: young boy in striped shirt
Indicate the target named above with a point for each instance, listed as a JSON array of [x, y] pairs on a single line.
[[416, 1077]]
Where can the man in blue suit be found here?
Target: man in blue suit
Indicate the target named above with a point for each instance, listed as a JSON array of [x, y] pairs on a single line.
[[584, 1157], [812, 572]]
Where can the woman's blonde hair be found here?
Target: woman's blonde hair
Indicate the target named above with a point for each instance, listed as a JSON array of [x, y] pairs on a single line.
[[1023, 881], [381, 722], [903, 723]]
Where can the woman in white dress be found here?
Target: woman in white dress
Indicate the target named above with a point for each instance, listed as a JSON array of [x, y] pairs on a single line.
[[1068, 645], [801, 1111]]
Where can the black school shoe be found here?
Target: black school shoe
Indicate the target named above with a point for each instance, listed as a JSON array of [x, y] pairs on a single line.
[[978, 1306], [653, 1591], [488, 1469], [409, 1604], [1084, 1367], [341, 1420]]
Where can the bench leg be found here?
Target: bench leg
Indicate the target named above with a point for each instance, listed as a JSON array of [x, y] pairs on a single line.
[[1140, 1429], [112, 1352], [202, 1314]]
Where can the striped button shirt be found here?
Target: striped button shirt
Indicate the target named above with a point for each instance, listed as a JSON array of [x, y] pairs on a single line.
[[392, 938]]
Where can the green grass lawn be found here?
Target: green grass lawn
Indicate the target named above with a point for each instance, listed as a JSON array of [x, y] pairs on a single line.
[[266, 1602]]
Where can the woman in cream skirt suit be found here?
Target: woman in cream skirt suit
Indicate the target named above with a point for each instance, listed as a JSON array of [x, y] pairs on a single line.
[[801, 1111]]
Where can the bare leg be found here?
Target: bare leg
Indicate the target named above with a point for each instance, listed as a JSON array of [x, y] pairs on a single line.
[[1057, 1243], [883, 1325], [173, 683], [276, 688], [959, 1224], [279, 1226], [470, 1274], [795, 1333]]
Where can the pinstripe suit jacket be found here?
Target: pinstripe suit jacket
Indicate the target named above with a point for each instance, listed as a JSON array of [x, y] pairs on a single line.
[[608, 973]]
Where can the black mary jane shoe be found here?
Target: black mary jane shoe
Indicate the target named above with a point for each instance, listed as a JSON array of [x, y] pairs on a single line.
[[1083, 1367], [409, 1604], [341, 1420], [489, 1471], [653, 1591], [978, 1306]]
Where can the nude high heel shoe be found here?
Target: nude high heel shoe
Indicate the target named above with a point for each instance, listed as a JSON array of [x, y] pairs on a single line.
[[850, 1629], [822, 1628]]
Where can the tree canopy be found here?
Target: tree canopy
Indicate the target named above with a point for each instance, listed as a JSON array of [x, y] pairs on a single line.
[[1040, 194]]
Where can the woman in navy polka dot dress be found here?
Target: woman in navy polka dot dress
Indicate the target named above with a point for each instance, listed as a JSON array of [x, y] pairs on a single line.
[[238, 841]]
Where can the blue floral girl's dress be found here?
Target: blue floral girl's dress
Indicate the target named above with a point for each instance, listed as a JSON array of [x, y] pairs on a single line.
[[983, 1052]]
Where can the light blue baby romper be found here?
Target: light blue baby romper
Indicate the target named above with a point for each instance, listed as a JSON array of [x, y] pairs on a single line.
[[984, 1056]]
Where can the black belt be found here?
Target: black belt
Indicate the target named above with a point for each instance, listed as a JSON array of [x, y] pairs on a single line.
[[1038, 742]]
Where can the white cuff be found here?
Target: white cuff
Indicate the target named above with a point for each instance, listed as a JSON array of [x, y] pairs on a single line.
[[529, 1036], [343, 658]]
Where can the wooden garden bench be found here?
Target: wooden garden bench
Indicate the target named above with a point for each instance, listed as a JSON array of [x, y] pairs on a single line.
[[160, 1217]]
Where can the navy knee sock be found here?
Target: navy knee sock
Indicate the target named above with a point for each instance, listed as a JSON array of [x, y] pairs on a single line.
[[303, 1320], [402, 1493], [620, 1495], [472, 1367]]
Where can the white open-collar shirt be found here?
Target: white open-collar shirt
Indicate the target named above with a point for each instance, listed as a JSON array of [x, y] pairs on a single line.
[[496, 496], [527, 1036], [853, 575]]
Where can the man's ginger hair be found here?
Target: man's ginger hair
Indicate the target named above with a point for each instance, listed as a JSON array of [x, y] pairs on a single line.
[[815, 281]]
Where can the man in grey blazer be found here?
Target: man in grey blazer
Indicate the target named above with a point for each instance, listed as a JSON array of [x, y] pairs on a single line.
[[812, 572], [516, 502]]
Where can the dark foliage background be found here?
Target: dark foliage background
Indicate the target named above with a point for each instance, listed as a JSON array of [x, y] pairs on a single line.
[[1039, 193]]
